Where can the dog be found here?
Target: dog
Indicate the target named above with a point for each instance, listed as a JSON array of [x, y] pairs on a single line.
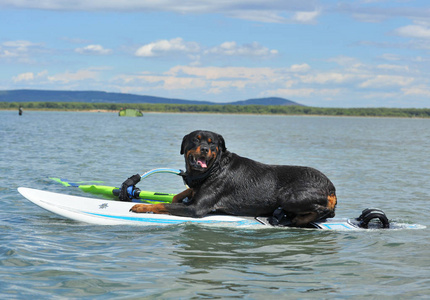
[[224, 182]]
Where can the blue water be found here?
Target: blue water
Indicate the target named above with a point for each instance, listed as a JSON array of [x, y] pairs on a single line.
[[373, 162]]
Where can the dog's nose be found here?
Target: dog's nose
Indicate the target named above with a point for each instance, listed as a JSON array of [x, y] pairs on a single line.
[[204, 150]]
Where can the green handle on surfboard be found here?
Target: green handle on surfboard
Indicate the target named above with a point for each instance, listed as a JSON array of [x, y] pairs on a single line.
[[113, 192]]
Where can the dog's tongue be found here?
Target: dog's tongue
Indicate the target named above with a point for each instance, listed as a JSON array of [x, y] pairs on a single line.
[[202, 163]]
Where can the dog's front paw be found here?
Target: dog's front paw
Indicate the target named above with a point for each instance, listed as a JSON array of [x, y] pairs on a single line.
[[139, 208], [150, 208]]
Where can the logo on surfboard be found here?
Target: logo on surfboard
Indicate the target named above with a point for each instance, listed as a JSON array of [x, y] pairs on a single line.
[[103, 206]]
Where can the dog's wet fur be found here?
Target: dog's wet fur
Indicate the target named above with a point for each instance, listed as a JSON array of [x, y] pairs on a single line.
[[224, 182]]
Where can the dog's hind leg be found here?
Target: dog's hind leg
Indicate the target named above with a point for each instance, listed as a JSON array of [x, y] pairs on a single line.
[[304, 219], [321, 212]]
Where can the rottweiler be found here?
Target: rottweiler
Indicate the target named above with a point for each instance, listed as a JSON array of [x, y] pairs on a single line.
[[224, 182]]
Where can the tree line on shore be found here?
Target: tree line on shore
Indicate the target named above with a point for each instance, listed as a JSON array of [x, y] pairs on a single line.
[[232, 109]]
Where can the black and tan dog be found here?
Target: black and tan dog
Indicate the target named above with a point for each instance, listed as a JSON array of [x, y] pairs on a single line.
[[224, 182]]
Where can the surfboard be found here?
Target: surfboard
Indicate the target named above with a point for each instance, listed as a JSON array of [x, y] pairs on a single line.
[[110, 212]]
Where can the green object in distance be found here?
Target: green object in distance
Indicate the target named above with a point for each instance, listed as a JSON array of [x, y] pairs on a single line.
[[130, 113]]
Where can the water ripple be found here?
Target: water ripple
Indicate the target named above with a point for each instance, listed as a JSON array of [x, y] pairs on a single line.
[[373, 162]]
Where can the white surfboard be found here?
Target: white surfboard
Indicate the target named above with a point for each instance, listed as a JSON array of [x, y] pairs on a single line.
[[110, 212]]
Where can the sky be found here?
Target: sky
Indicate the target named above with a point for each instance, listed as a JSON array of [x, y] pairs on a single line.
[[324, 53]]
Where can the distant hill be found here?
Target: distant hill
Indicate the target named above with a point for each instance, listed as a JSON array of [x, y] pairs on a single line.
[[105, 97]]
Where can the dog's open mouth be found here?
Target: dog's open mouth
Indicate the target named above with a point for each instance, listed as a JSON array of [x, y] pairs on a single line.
[[202, 163], [198, 163]]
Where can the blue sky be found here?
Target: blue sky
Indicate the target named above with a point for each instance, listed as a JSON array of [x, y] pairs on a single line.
[[326, 53]]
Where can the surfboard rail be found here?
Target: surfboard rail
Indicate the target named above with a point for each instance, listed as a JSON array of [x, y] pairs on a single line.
[[110, 212]]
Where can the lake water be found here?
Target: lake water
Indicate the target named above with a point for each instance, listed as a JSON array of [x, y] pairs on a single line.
[[373, 162]]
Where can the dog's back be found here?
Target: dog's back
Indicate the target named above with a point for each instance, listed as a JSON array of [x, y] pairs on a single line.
[[247, 187]]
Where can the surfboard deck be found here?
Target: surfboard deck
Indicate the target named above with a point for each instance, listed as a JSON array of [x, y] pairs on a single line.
[[109, 212]]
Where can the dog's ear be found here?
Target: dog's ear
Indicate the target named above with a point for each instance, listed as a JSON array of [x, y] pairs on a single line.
[[221, 143], [184, 144]]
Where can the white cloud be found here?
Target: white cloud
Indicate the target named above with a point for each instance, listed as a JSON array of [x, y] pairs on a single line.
[[293, 81], [391, 57], [163, 47], [215, 73], [93, 49], [19, 45], [195, 51], [218, 87], [23, 77], [211, 80], [17, 49], [350, 65], [79, 75], [369, 17], [300, 81], [378, 11], [345, 61], [8, 54], [30, 76], [164, 82], [42, 74], [303, 92], [397, 68], [327, 77], [232, 49], [263, 16], [380, 81], [414, 31], [216, 80], [179, 83], [306, 16], [420, 90], [270, 11], [300, 68]]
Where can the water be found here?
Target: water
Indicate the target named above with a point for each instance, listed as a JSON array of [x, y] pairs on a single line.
[[373, 162]]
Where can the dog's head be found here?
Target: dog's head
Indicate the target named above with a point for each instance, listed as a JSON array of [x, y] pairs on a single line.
[[201, 149]]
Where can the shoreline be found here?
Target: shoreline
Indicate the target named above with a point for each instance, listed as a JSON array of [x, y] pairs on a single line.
[[214, 113], [289, 110]]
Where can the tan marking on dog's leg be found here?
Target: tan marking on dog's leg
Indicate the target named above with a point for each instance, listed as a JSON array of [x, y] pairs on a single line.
[[182, 195], [332, 201]]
